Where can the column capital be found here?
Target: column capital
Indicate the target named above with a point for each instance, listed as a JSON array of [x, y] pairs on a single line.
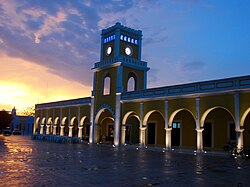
[[239, 130], [143, 128], [199, 130], [168, 129]]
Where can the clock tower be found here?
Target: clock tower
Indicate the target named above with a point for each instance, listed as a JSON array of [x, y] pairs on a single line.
[[120, 70]]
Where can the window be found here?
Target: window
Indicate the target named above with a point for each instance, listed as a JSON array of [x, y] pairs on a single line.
[[131, 84], [176, 125], [106, 87]]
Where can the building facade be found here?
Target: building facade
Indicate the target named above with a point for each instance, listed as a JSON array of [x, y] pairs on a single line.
[[22, 123], [122, 110]]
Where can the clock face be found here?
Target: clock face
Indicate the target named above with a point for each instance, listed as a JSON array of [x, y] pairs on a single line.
[[108, 50], [128, 51]]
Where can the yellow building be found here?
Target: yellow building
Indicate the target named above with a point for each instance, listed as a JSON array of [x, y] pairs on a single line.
[[122, 110]]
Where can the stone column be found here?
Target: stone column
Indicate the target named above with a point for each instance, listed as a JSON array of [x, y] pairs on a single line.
[[198, 127], [92, 125], [80, 132], [54, 129], [117, 127], [70, 130], [61, 130], [41, 129], [142, 136], [239, 133], [168, 130], [123, 134], [47, 129], [199, 140], [142, 129], [168, 138]]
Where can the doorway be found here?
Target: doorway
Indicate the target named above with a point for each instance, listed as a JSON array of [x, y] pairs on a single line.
[[151, 133], [176, 134], [207, 134]]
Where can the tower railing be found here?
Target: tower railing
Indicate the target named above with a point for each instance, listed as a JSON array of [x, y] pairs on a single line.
[[125, 60]]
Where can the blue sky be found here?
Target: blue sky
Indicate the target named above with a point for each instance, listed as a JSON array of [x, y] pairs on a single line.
[[48, 47]]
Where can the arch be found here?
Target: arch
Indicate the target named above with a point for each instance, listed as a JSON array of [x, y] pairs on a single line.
[[217, 130], [74, 124], [82, 120], [36, 128], [144, 123], [63, 121], [106, 84], [155, 124], [243, 118], [72, 121], [183, 125], [37, 120], [172, 116], [104, 122], [203, 118], [43, 121], [131, 128], [50, 121], [56, 123], [56, 120], [101, 110], [127, 115], [112, 119]]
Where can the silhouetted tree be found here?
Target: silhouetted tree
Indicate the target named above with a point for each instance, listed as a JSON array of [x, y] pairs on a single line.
[[30, 111], [5, 119]]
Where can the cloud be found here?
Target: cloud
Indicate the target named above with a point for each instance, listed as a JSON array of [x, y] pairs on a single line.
[[63, 36], [189, 65]]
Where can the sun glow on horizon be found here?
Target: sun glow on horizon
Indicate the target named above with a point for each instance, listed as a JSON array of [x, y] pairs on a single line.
[[24, 84]]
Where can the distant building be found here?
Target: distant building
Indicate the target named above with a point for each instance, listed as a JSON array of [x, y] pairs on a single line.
[[22, 123], [123, 110]]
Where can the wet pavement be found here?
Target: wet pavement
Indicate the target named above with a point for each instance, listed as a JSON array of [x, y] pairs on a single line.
[[26, 162]]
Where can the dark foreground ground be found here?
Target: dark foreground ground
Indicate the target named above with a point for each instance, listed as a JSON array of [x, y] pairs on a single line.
[[26, 162]]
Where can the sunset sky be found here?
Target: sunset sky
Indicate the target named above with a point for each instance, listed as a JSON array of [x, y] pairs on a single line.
[[48, 47]]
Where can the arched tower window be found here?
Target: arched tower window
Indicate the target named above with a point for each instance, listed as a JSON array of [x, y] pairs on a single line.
[[131, 84], [107, 85]]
